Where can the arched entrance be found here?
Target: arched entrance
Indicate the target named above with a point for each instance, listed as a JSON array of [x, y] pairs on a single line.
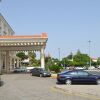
[[11, 44]]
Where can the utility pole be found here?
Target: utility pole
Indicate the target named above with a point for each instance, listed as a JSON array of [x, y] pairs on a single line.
[[89, 52], [59, 53]]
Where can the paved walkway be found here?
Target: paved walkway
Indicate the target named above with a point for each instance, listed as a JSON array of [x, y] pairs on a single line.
[[27, 87], [92, 91]]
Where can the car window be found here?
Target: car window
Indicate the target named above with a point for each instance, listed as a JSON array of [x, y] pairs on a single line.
[[72, 73], [82, 73]]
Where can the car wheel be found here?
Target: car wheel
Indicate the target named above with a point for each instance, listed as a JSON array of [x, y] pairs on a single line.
[[40, 75], [68, 82], [98, 81]]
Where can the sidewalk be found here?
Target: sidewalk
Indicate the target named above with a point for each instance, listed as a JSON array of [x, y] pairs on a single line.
[[92, 91], [54, 75]]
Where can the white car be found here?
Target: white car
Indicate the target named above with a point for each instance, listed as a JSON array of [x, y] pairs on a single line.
[[29, 68], [91, 68]]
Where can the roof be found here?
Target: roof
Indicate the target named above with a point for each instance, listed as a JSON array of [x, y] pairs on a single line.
[[43, 35]]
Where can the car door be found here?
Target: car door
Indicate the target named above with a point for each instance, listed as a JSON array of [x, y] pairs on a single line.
[[84, 77], [73, 75], [33, 71], [37, 72]]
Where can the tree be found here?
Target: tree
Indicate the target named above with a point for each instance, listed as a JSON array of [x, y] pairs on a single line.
[[70, 56], [78, 52], [32, 59], [21, 55], [48, 62], [80, 59], [56, 68], [98, 61]]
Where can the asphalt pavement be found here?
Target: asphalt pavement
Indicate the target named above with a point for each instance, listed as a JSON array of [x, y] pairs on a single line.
[[27, 87]]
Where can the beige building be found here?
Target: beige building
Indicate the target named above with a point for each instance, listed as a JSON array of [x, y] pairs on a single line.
[[5, 28], [10, 44]]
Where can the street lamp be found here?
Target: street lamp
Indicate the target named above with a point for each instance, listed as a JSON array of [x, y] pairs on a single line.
[[59, 53], [89, 52]]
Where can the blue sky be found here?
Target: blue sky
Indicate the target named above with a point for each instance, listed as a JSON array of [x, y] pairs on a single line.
[[70, 24]]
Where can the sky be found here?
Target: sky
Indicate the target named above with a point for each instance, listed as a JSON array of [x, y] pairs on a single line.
[[70, 24]]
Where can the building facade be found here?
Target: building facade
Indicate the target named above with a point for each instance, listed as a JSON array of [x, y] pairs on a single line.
[[5, 30], [11, 44]]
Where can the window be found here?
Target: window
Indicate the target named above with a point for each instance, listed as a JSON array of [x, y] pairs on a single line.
[[82, 73], [4, 32], [73, 73]]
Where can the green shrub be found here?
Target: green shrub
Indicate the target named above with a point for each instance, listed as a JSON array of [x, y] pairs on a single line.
[[55, 68]]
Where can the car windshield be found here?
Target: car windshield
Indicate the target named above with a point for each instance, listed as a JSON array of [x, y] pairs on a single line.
[[43, 70], [63, 72]]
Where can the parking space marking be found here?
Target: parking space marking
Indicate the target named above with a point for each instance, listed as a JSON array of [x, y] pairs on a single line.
[[75, 94]]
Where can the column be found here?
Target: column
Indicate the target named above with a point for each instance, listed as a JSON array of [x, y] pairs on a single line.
[[7, 62], [11, 67], [0, 63], [42, 58], [14, 62], [20, 63], [17, 62]]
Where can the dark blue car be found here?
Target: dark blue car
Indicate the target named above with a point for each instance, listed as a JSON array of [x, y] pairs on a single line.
[[40, 72], [77, 76]]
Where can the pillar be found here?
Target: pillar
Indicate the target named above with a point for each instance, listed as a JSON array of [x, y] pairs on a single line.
[[14, 61], [42, 58], [17, 62], [11, 67], [7, 62], [0, 63]]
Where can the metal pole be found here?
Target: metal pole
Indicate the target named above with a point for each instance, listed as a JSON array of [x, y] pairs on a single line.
[[59, 53], [89, 53]]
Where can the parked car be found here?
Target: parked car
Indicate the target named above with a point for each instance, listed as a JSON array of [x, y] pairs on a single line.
[[77, 76], [29, 69], [91, 68], [19, 70], [40, 72]]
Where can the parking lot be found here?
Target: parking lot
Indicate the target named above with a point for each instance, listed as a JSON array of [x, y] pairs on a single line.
[[27, 87]]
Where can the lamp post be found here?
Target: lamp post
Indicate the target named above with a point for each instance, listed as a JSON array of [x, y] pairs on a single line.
[[89, 53], [59, 53]]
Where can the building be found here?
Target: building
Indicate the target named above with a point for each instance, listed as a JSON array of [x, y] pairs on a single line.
[[5, 28], [10, 44]]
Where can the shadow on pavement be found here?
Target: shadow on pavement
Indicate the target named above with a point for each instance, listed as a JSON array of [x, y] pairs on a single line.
[[1, 83], [58, 83]]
